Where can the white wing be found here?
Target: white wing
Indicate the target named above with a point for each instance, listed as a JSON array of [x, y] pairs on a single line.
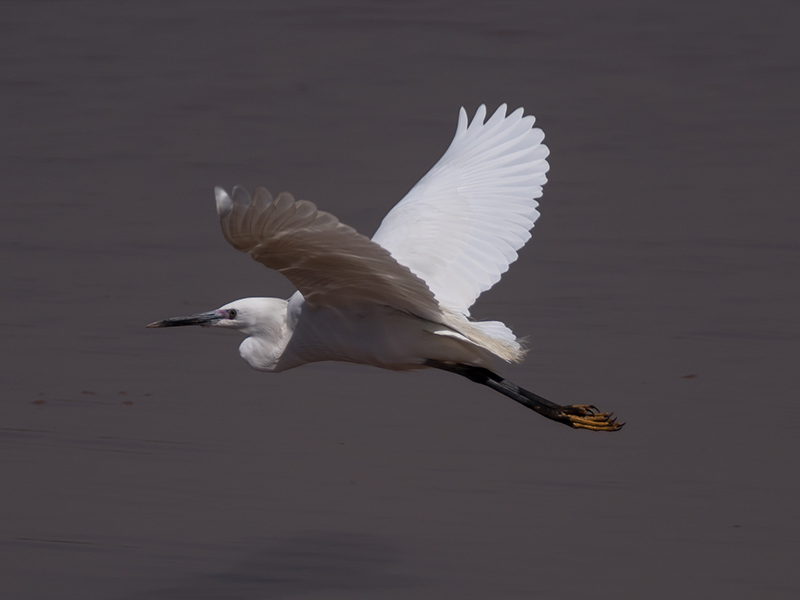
[[460, 227], [330, 263]]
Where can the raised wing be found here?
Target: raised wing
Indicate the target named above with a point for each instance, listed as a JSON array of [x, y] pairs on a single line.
[[460, 227], [330, 263]]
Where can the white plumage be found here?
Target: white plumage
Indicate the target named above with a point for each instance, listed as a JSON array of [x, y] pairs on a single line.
[[400, 300], [459, 228]]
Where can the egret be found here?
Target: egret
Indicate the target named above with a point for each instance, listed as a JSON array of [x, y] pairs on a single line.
[[400, 300]]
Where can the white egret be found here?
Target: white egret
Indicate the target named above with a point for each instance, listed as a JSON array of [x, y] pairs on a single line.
[[401, 300]]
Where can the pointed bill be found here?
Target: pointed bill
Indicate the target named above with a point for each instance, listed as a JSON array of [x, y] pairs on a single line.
[[204, 319]]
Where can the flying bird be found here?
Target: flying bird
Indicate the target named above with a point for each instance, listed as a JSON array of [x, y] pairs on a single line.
[[400, 300]]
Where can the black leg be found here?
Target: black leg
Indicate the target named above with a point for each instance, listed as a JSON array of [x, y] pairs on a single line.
[[577, 416]]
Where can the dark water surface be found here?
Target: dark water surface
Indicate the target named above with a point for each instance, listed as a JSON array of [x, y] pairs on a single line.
[[662, 282]]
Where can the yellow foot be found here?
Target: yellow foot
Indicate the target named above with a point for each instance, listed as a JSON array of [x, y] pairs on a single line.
[[586, 416]]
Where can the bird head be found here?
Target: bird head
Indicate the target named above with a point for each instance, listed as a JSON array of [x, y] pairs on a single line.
[[253, 316]]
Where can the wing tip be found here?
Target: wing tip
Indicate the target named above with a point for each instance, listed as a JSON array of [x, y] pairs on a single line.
[[463, 121], [480, 115], [224, 202]]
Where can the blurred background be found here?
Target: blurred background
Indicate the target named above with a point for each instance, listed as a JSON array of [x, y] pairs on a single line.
[[661, 282]]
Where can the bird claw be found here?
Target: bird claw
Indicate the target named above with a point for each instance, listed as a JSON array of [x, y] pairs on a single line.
[[587, 416]]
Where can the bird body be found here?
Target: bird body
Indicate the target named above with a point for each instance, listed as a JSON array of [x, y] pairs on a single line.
[[283, 335], [400, 300]]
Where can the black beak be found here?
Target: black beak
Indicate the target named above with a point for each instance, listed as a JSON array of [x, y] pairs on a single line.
[[205, 319]]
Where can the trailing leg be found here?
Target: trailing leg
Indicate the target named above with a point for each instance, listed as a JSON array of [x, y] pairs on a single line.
[[577, 416]]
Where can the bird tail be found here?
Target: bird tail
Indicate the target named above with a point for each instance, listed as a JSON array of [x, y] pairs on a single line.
[[493, 336]]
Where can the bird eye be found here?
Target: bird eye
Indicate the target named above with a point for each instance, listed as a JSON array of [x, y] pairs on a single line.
[[232, 313]]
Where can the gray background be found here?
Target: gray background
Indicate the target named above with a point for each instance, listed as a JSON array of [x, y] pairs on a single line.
[[661, 282]]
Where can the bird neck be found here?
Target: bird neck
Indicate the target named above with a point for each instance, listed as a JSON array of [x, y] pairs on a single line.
[[268, 335]]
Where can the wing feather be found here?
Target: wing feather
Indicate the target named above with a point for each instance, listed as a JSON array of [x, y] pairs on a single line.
[[460, 227], [329, 263]]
